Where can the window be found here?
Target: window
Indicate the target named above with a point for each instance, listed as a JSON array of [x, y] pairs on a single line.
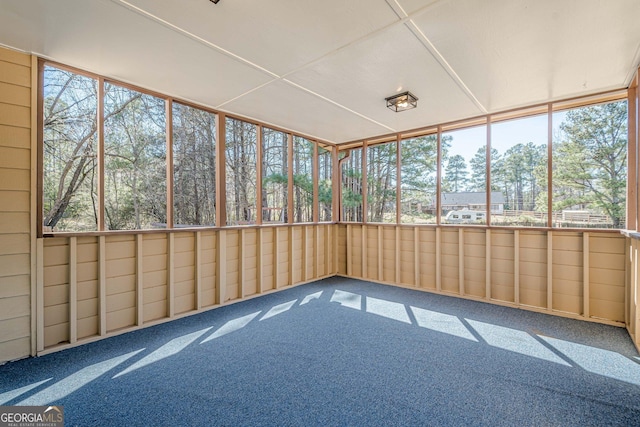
[[194, 166], [275, 178], [69, 151], [241, 163], [325, 180], [590, 166], [135, 171], [135, 179], [302, 179], [587, 187], [418, 168], [351, 186], [464, 171], [519, 172], [381, 183]]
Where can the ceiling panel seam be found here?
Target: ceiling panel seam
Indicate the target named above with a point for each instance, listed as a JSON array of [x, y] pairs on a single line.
[[401, 20], [346, 45], [235, 98], [418, 11], [395, 5], [195, 37], [309, 91], [275, 76], [445, 65], [424, 40]]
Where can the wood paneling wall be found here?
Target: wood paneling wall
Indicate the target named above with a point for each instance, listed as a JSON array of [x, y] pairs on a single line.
[[101, 285], [578, 274], [632, 290], [15, 205], [96, 286]]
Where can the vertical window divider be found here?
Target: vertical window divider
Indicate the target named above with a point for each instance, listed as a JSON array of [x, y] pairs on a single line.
[[549, 165], [488, 174], [439, 178], [36, 202], [169, 159], [290, 178], [259, 155], [40, 153], [221, 186], [632, 158], [316, 176], [365, 185], [636, 142], [100, 155], [336, 195], [340, 211], [398, 178]]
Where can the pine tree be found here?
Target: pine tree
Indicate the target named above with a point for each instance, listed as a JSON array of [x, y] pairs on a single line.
[[456, 174], [590, 160]]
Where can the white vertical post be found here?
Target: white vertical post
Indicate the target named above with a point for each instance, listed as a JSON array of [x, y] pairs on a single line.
[[550, 270], [585, 275], [40, 294], [221, 267], [416, 256], [241, 264], [349, 238], [171, 292], [487, 265], [461, 261], [73, 290], [380, 254], [438, 259], [102, 285], [198, 269], [259, 259], [365, 251], [139, 280], [516, 266]]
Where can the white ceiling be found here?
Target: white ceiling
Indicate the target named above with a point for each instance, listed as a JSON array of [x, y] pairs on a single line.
[[323, 68]]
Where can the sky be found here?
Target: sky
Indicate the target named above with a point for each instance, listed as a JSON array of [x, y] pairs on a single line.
[[504, 135]]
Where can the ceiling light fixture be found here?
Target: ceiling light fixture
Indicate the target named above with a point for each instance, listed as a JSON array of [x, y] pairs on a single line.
[[402, 101], [214, 1]]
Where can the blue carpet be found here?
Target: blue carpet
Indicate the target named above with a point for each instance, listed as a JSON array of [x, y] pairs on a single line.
[[343, 352]]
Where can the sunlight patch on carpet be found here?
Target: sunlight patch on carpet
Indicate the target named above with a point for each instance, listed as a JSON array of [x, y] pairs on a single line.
[[347, 299], [279, 309], [598, 361], [12, 394], [75, 381], [169, 349], [388, 309], [232, 326], [440, 322], [514, 340]]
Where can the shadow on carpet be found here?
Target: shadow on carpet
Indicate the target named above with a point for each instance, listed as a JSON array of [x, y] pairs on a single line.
[[343, 352]]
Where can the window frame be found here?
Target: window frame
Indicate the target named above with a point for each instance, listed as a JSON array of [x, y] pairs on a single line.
[[624, 94], [548, 108], [220, 117]]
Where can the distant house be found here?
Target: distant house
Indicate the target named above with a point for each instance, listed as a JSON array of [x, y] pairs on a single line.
[[473, 201]]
